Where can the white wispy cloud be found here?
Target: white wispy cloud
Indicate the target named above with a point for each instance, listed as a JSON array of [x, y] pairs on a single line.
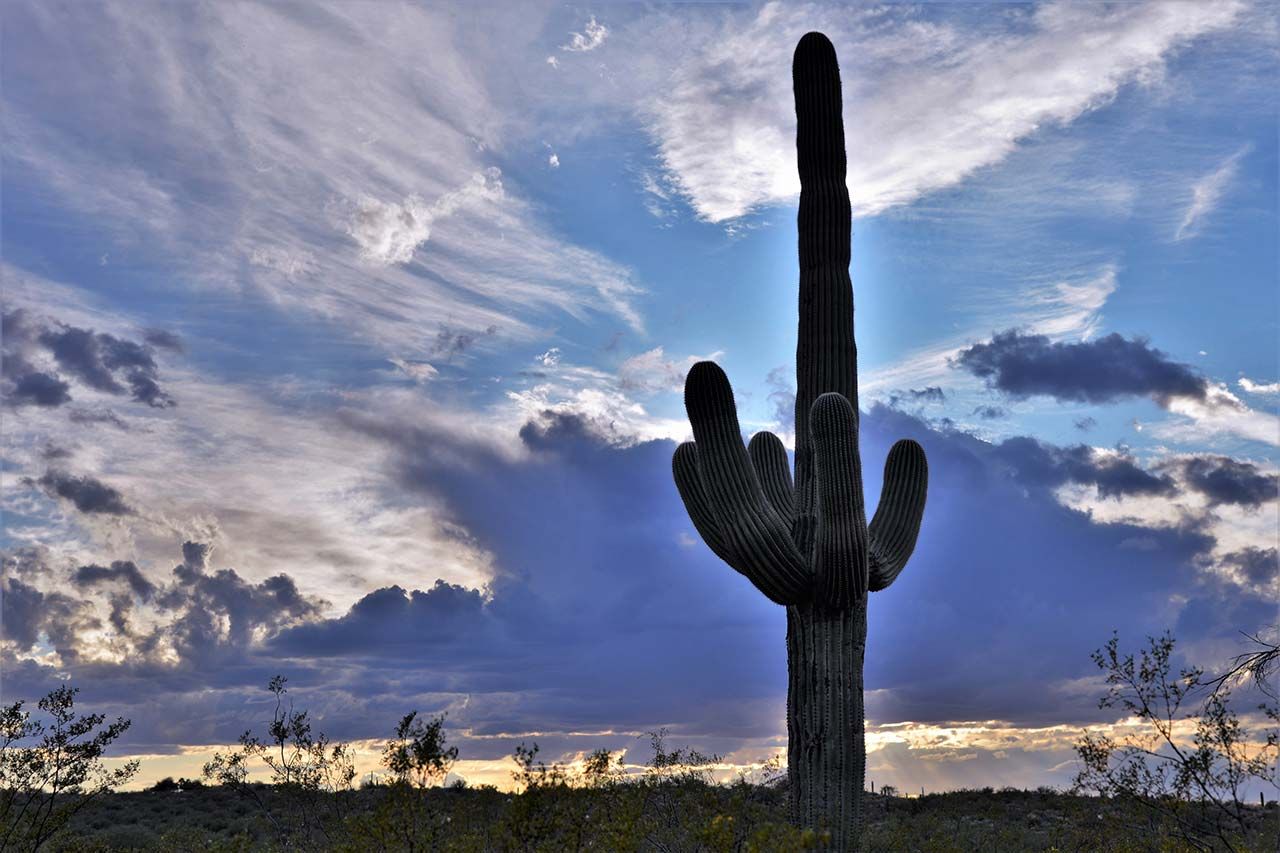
[[1220, 414], [303, 161], [592, 36], [927, 104], [389, 233], [1207, 193], [653, 371], [419, 371], [265, 470], [1251, 387]]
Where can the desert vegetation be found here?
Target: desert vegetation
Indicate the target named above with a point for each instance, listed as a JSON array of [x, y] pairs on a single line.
[[1164, 789]]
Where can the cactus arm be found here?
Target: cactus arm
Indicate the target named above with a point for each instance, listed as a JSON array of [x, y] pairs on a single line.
[[840, 546], [897, 520], [755, 534], [684, 465], [769, 457], [826, 355]]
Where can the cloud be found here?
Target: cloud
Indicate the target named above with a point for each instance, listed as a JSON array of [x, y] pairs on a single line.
[[121, 570], [29, 615], [96, 416], [1224, 480], [660, 631], [1219, 413], [27, 386], [201, 618], [991, 413], [553, 160], [418, 371], [928, 99], [1085, 423], [1249, 386], [929, 394], [591, 37], [1110, 369], [164, 339], [1035, 463], [1100, 371], [97, 360], [87, 494], [1257, 565], [389, 233], [449, 342], [322, 217], [651, 371], [1066, 305], [1207, 193]]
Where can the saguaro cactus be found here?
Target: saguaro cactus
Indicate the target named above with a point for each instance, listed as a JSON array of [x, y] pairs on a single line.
[[809, 547]]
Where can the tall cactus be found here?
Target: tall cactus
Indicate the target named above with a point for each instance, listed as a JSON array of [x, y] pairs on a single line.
[[809, 547]]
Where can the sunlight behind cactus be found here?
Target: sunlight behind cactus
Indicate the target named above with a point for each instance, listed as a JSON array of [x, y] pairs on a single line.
[[808, 546]]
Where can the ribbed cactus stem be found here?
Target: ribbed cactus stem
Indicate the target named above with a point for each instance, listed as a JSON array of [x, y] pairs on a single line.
[[809, 546], [826, 756]]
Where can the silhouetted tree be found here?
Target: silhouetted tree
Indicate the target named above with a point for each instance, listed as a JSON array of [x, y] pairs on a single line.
[[303, 766], [51, 767], [1191, 761], [1256, 666], [417, 759]]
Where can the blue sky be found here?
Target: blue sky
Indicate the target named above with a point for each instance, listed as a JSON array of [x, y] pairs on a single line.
[[346, 341]]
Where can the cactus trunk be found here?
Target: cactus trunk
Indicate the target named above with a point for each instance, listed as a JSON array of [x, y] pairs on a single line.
[[826, 753], [808, 546]]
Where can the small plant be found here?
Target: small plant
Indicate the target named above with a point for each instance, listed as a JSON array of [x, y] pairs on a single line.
[[52, 768]]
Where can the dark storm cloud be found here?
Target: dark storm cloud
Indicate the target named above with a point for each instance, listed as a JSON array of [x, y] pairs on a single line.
[[606, 613], [1084, 424], [102, 361], [97, 360], [922, 396], [1097, 371], [208, 618], [629, 626], [28, 615], [1036, 464], [1224, 480], [120, 570], [1258, 565], [87, 494], [164, 339], [27, 386], [392, 619], [219, 612]]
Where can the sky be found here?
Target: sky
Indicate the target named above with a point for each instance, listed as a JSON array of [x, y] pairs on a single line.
[[346, 342]]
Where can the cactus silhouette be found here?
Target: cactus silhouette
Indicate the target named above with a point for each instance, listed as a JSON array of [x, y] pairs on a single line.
[[808, 546]]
